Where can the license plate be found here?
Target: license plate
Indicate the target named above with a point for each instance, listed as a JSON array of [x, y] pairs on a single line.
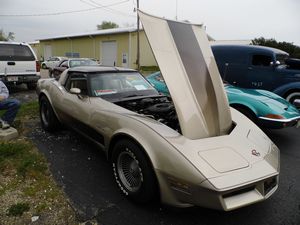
[[12, 78]]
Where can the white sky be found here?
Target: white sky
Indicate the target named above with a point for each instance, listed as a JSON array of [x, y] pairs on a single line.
[[224, 19]]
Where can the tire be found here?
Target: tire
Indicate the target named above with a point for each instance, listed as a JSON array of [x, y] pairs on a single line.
[[44, 66], [48, 118], [31, 86], [133, 172], [247, 113], [291, 97]]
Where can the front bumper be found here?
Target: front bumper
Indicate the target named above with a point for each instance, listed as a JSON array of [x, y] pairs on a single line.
[[278, 123]]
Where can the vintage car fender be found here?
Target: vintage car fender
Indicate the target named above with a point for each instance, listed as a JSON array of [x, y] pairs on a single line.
[[286, 88]]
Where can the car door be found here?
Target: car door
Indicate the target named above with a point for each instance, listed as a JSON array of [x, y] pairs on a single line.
[[76, 107], [260, 71]]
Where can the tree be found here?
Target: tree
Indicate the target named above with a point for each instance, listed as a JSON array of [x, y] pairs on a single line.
[[288, 47], [4, 37], [107, 25]]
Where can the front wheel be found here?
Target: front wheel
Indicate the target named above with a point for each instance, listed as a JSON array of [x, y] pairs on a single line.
[[133, 171], [49, 120]]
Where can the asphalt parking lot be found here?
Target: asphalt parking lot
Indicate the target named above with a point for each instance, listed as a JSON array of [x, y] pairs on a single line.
[[81, 169]]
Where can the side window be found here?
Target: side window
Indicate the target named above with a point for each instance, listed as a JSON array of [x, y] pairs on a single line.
[[261, 60], [64, 64], [77, 81]]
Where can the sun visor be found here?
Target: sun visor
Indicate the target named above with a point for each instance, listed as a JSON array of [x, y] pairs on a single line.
[[187, 64]]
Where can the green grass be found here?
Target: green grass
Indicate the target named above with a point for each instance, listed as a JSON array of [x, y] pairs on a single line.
[[18, 209], [30, 109], [19, 157]]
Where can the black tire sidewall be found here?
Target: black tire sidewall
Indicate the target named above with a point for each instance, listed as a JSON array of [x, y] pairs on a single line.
[[148, 189], [53, 123]]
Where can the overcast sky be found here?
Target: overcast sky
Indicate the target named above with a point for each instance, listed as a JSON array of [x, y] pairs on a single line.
[[224, 20]]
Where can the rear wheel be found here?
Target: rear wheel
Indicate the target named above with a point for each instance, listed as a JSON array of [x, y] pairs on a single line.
[[133, 171], [49, 120]]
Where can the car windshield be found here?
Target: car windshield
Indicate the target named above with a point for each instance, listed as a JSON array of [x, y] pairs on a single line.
[[82, 62], [120, 85]]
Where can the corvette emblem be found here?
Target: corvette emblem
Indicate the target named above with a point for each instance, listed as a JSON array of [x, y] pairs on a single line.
[[254, 152]]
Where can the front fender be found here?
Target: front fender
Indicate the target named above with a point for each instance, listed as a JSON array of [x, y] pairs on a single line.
[[282, 90]]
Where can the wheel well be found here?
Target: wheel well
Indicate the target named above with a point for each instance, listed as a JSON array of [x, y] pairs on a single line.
[[291, 91], [119, 137], [243, 107], [41, 95]]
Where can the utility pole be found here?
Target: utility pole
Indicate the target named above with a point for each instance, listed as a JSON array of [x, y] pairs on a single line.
[[138, 36], [176, 18]]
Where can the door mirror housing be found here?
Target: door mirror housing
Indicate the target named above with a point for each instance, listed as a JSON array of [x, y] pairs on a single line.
[[75, 91]]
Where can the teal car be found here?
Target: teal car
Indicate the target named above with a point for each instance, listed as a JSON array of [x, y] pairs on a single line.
[[264, 108]]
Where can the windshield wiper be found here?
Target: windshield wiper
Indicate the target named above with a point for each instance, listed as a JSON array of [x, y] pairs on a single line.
[[133, 95]]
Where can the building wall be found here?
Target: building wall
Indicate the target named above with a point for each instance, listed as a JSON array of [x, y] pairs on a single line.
[[90, 47]]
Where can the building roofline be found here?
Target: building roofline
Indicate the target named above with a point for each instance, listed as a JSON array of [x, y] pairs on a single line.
[[93, 33]]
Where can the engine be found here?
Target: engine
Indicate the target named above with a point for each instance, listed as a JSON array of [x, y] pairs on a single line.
[[159, 108]]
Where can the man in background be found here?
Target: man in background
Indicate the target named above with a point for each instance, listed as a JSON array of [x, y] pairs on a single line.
[[10, 105]]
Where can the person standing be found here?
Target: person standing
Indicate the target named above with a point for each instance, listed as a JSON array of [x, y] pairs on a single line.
[[10, 105]]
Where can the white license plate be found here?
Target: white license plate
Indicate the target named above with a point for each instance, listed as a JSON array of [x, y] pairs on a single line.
[[12, 78]]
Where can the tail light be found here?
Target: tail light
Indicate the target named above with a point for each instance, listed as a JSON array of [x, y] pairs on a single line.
[[37, 66]]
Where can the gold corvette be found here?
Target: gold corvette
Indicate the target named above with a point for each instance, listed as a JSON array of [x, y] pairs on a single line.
[[189, 150]]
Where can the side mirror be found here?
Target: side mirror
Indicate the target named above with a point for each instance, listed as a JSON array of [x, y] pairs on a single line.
[[75, 91], [277, 63]]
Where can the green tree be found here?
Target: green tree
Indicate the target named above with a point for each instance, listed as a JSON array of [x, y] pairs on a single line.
[[9, 37], [107, 25], [288, 47]]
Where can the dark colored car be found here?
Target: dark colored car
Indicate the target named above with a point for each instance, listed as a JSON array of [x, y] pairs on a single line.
[[70, 63], [250, 66]]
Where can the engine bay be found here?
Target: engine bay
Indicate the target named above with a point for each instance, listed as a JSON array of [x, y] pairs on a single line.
[[160, 108]]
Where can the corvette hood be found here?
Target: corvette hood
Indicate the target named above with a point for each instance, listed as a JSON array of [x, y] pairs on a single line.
[[184, 56], [245, 155]]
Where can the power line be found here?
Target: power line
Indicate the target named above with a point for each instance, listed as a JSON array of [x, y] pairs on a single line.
[[97, 4], [63, 12]]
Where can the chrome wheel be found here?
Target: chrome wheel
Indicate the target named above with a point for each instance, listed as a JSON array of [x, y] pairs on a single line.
[[129, 171]]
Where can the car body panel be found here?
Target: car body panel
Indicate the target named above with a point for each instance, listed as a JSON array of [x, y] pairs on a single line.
[[175, 53]]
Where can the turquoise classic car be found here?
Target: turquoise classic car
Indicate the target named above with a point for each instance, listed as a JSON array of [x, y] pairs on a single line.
[[264, 108]]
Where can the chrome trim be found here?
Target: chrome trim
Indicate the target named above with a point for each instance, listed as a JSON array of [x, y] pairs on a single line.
[[280, 120]]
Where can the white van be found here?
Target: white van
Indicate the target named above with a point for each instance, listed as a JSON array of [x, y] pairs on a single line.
[[18, 64]]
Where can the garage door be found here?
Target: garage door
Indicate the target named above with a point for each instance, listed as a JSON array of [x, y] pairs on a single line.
[[47, 52], [108, 53]]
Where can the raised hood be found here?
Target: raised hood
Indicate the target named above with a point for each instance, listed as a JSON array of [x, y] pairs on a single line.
[[187, 64]]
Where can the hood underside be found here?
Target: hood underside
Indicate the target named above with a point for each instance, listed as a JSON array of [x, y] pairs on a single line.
[[189, 69]]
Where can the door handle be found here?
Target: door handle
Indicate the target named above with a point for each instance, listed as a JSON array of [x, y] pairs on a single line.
[[11, 63], [234, 82]]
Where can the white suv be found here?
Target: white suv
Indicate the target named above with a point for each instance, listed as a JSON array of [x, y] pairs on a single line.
[[18, 64]]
